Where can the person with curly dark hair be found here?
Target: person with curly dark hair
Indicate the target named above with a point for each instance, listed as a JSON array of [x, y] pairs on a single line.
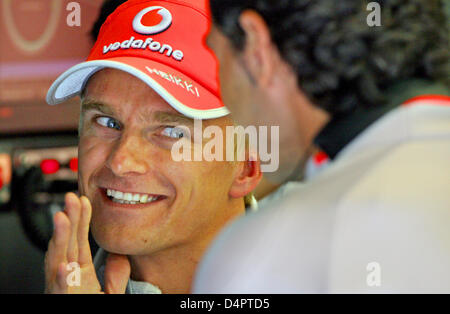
[[373, 101], [108, 7]]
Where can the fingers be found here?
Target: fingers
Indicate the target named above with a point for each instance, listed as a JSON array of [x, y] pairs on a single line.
[[57, 250], [70, 241], [60, 282], [67, 275], [84, 249], [117, 273], [73, 211], [79, 211]]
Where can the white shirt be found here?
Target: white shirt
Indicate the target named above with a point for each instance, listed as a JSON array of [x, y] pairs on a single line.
[[376, 220]]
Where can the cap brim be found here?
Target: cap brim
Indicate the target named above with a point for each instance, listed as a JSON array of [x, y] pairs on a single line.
[[181, 92]]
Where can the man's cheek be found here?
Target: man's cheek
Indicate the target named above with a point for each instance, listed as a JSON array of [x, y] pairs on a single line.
[[181, 177], [92, 154], [91, 149]]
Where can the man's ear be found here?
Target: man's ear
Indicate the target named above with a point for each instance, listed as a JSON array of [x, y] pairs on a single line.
[[248, 176], [260, 55]]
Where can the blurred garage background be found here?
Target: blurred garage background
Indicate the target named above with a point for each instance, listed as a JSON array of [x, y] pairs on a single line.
[[38, 155]]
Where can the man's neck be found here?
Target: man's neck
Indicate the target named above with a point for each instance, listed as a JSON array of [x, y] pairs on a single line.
[[297, 145], [171, 270]]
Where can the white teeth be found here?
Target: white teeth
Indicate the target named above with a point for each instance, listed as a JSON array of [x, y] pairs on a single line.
[[143, 198], [118, 195], [130, 198]]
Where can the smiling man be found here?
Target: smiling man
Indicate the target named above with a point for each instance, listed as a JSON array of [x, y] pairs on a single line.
[[146, 80]]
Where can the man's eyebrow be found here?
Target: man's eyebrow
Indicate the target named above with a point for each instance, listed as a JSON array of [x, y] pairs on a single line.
[[168, 117], [88, 105], [160, 116]]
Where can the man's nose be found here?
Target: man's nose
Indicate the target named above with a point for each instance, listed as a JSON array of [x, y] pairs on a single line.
[[127, 156]]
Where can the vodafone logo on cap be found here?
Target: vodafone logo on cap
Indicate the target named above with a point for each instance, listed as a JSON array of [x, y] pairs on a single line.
[[154, 29], [151, 15]]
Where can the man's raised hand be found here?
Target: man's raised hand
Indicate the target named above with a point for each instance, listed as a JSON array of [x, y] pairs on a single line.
[[69, 246]]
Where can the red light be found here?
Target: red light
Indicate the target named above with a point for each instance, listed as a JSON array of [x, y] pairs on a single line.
[[320, 158], [49, 166], [73, 164]]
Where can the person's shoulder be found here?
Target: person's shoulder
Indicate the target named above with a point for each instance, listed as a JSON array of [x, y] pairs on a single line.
[[413, 170], [277, 249], [397, 215]]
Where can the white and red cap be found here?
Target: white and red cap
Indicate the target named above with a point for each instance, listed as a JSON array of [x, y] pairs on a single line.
[[163, 43]]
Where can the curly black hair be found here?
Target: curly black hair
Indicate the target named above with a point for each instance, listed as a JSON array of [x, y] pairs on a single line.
[[108, 7], [340, 61]]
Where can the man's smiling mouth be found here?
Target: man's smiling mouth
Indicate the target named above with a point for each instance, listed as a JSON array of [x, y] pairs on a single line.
[[131, 198]]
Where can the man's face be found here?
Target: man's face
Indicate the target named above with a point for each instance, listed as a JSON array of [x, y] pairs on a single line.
[[250, 105], [126, 135], [235, 85]]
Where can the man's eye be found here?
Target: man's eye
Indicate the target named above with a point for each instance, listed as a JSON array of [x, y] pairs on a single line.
[[108, 122], [174, 132]]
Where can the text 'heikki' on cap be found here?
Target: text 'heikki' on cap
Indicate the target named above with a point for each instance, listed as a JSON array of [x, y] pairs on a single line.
[[163, 43]]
